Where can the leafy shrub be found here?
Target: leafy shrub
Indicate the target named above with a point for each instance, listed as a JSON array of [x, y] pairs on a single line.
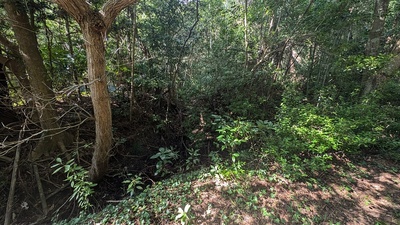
[[303, 140], [165, 157], [240, 138], [388, 93], [77, 176], [135, 183], [152, 205], [241, 134], [363, 64], [233, 133], [193, 158], [306, 135]]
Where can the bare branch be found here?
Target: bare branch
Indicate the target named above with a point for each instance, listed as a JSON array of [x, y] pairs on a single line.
[[10, 200], [12, 145], [40, 189]]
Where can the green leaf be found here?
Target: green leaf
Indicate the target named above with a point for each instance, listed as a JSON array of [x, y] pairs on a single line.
[[57, 170]]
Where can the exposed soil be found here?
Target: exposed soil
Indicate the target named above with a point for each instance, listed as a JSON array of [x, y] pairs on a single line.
[[366, 193]]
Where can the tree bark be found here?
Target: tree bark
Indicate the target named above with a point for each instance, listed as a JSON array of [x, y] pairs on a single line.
[[378, 26], [40, 82], [94, 25], [375, 43], [17, 67]]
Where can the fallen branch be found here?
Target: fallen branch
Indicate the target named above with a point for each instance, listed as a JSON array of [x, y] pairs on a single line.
[[35, 137], [41, 192], [6, 159], [10, 200]]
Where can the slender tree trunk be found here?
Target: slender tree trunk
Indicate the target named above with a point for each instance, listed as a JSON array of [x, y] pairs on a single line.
[[39, 80], [375, 43], [277, 48], [133, 50], [94, 25], [49, 37], [246, 42], [72, 55]]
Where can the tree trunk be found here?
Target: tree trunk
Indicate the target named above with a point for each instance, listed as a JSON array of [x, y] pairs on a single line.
[[246, 41], [132, 99], [39, 80], [95, 53], [17, 67], [72, 54], [94, 25], [375, 43]]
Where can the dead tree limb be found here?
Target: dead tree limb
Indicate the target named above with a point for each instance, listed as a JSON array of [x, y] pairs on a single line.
[[10, 200], [40, 189]]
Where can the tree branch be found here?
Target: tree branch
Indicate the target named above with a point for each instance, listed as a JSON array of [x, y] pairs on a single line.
[[9, 45], [78, 9], [112, 8], [10, 201]]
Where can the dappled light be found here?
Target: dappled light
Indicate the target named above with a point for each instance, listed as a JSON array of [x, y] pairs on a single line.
[[349, 195], [199, 112]]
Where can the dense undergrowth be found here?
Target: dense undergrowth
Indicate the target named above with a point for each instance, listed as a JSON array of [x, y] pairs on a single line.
[[303, 145]]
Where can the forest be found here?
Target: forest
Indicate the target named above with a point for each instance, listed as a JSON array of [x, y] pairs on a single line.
[[200, 112]]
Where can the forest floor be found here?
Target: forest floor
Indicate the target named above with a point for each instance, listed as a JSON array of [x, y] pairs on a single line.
[[361, 191], [358, 191]]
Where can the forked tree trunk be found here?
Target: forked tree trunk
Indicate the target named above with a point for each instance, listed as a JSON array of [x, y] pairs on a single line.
[[94, 25]]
